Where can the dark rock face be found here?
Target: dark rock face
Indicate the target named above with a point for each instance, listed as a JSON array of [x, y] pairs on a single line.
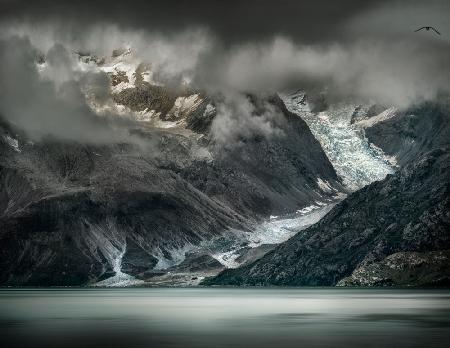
[[414, 131], [146, 96], [406, 212], [68, 210], [250, 255], [136, 260], [75, 231], [404, 269], [201, 118], [266, 176]]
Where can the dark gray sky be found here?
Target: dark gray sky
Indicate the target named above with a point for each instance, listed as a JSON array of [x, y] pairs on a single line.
[[231, 20], [352, 49]]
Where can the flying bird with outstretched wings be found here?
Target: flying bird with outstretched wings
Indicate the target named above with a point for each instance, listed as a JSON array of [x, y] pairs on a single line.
[[427, 29]]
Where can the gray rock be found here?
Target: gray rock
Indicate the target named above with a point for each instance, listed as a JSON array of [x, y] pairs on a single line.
[[198, 263], [406, 212], [67, 209], [404, 269], [136, 260]]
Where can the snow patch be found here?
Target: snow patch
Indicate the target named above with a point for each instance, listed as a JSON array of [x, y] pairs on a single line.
[[185, 105], [324, 185], [278, 230], [210, 109], [383, 116], [14, 143], [228, 259], [111, 244], [129, 65], [120, 279]]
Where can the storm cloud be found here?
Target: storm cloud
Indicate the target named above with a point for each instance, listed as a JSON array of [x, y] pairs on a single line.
[[364, 51], [232, 21]]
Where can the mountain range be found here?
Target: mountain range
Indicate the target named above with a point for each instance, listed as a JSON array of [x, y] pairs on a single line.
[[324, 193]]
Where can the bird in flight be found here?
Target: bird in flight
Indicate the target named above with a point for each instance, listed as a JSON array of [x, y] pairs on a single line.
[[428, 28]]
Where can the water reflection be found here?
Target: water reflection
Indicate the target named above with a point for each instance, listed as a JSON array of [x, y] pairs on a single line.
[[199, 317]]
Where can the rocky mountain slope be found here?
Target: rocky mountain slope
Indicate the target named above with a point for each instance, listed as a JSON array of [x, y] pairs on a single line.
[[75, 214], [391, 232], [173, 201], [408, 134]]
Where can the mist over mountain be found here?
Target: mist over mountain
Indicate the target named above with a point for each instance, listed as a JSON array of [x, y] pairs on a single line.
[[158, 143]]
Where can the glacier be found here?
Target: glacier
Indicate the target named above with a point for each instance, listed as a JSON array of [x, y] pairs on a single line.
[[355, 160]]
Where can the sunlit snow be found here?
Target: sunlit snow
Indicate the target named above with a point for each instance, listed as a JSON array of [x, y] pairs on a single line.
[[14, 143]]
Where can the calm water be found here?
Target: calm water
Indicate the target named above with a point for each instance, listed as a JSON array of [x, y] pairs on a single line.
[[199, 317]]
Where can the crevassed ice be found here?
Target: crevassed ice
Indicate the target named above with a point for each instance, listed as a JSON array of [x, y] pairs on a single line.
[[353, 158]]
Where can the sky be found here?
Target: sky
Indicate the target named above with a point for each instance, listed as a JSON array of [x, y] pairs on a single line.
[[232, 20], [363, 50]]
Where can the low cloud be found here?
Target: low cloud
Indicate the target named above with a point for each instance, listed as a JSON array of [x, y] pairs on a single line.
[[379, 60], [42, 106], [394, 73], [239, 117], [173, 56]]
